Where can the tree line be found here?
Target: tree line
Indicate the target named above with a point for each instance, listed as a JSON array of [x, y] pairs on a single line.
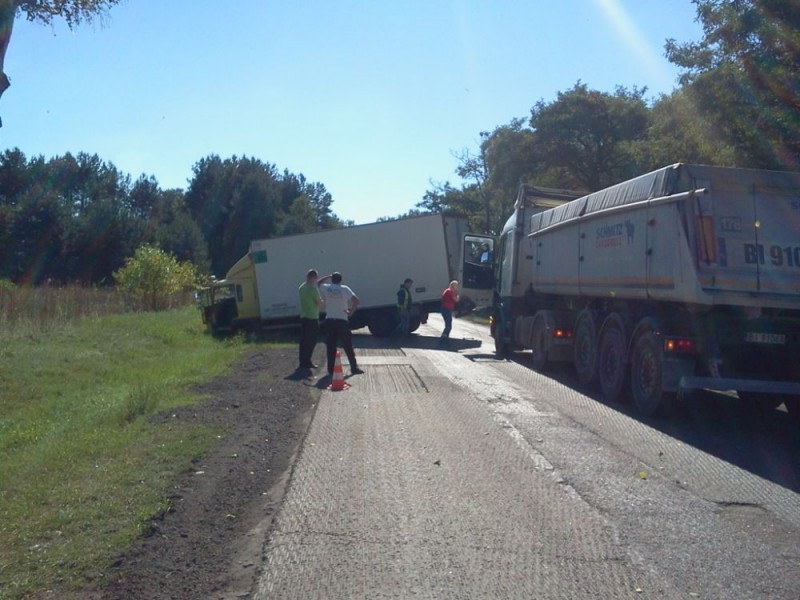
[[738, 104], [77, 218]]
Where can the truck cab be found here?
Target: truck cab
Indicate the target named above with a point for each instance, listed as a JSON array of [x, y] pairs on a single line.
[[230, 302], [513, 268]]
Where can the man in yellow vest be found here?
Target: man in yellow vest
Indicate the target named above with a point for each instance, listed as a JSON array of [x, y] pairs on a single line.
[[404, 308]]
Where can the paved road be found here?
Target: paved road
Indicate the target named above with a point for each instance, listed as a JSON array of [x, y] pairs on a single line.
[[451, 474]]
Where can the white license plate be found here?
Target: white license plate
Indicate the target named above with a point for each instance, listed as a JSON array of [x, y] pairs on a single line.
[[765, 338]]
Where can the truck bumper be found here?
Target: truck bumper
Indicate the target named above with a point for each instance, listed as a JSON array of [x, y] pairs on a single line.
[[789, 388]]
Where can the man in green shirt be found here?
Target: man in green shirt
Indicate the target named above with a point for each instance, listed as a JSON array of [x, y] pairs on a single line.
[[310, 303]]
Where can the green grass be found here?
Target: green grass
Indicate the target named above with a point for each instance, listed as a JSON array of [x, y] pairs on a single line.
[[82, 467]]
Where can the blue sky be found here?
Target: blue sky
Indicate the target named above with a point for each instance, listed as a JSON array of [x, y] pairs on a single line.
[[370, 98]]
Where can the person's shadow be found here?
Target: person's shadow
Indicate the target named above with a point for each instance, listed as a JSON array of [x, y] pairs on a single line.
[[309, 378]]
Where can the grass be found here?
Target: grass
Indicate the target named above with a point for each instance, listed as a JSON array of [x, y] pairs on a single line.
[[83, 465], [33, 309]]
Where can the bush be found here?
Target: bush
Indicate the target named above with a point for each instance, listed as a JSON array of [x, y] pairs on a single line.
[[152, 277]]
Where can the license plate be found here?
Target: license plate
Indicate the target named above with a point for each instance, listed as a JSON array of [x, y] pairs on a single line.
[[765, 338]]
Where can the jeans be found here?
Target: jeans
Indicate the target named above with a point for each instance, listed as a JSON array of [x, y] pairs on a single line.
[[403, 322], [447, 315], [338, 330], [309, 330]]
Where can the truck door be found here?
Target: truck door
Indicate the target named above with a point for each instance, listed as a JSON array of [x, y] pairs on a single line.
[[477, 270], [749, 241], [775, 245]]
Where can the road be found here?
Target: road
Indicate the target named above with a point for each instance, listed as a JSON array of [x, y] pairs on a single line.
[[450, 473]]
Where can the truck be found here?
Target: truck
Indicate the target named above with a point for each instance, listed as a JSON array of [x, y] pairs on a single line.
[[682, 279], [260, 289]]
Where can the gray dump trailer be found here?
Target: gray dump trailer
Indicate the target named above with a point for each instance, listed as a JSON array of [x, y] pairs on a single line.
[[684, 278]]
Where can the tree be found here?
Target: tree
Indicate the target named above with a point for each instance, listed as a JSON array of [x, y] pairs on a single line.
[[69, 218], [175, 232], [36, 229], [678, 132], [239, 199], [589, 133], [151, 277], [447, 199], [44, 11], [144, 196], [504, 160], [744, 76], [233, 201], [99, 240]]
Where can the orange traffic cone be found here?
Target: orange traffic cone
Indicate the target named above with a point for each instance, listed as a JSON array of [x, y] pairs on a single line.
[[338, 384]]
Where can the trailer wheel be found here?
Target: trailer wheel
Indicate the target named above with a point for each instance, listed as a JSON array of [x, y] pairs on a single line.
[[611, 365], [585, 347], [539, 344], [382, 323], [646, 376]]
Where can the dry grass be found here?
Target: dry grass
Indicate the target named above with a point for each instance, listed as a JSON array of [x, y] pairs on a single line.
[[39, 309]]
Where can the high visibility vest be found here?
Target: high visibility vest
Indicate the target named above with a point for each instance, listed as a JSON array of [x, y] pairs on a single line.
[[403, 298]]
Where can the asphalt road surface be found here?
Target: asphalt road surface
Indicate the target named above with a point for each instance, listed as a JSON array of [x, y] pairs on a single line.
[[450, 473]]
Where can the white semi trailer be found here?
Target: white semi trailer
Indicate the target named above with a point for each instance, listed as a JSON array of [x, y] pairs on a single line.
[[374, 259], [684, 278]]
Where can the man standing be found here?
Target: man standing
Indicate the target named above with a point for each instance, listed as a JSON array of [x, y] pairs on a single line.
[[340, 303], [404, 308], [449, 301], [310, 303]]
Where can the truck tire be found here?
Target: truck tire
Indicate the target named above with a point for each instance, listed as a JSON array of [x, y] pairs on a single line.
[[646, 376], [501, 347], [414, 324], [382, 323], [611, 359], [585, 347], [539, 344]]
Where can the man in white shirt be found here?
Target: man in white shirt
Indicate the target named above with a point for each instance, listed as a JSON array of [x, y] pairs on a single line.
[[340, 303]]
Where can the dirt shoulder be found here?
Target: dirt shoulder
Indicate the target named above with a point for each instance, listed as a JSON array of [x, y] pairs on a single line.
[[210, 543]]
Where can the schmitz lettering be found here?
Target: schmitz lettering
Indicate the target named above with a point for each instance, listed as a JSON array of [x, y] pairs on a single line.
[[614, 235]]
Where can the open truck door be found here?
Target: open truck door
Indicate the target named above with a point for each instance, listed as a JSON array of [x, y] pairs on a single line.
[[477, 272]]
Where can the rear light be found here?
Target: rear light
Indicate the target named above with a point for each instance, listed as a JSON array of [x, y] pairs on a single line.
[[491, 320], [680, 345], [558, 332]]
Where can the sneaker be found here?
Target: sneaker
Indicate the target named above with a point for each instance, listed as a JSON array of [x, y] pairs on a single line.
[[356, 371]]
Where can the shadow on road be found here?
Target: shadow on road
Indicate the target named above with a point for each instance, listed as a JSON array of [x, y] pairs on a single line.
[[414, 340], [765, 443]]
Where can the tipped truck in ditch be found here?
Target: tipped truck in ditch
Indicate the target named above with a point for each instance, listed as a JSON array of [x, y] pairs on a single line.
[[681, 279], [261, 288]]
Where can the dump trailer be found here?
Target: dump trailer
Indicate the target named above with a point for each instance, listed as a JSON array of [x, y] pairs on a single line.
[[681, 279], [374, 259]]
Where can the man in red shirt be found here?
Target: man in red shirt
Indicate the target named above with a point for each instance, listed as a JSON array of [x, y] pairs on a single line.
[[449, 301]]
